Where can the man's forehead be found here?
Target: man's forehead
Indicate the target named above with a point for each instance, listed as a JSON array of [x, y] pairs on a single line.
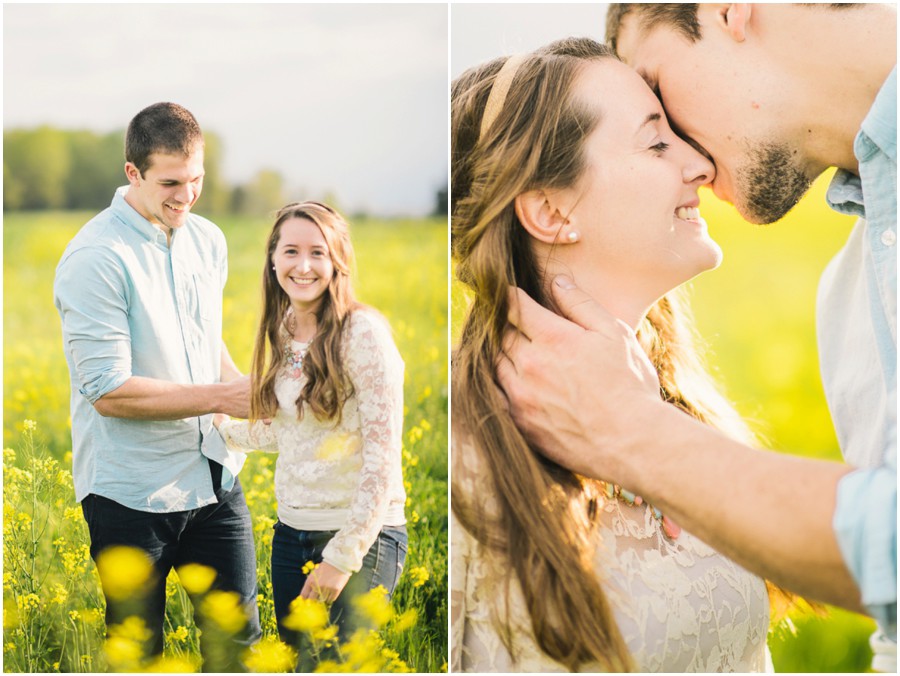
[[632, 47]]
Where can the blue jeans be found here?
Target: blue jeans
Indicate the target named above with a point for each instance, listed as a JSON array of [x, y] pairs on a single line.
[[219, 536], [292, 548]]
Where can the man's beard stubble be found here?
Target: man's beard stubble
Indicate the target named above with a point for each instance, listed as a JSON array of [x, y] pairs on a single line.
[[769, 183]]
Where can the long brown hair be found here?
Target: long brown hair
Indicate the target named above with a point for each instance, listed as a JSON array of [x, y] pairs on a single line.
[[327, 386], [542, 520]]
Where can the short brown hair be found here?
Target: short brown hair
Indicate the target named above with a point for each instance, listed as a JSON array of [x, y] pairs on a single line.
[[162, 127], [680, 17]]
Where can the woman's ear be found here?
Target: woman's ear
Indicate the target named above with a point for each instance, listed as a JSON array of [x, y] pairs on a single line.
[[540, 215]]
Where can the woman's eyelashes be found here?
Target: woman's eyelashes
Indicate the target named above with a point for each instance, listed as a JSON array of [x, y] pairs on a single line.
[[660, 148]]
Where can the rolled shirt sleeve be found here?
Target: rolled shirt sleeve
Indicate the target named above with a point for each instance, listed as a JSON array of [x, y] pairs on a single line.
[[92, 298], [865, 523]]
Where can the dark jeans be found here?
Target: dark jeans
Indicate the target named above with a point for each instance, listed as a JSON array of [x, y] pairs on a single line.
[[219, 535], [291, 549]]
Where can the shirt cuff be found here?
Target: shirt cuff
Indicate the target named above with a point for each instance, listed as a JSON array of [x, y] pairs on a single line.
[[865, 525], [102, 385]]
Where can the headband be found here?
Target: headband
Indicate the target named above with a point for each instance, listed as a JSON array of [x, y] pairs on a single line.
[[499, 90]]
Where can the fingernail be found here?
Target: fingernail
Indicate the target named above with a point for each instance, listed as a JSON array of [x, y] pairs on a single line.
[[564, 282]]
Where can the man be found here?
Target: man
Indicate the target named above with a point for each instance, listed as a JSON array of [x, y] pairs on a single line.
[[775, 94], [139, 292]]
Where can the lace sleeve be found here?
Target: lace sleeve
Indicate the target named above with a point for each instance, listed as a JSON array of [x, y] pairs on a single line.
[[244, 436], [376, 371], [459, 567]]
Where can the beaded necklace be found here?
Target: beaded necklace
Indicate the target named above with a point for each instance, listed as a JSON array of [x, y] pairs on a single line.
[[294, 357], [616, 492]]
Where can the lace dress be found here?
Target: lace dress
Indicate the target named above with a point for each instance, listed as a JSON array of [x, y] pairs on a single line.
[[681, 606], [346, 477]]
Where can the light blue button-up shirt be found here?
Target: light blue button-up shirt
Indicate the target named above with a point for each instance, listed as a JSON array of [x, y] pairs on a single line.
[[857, 334], [131, 305]]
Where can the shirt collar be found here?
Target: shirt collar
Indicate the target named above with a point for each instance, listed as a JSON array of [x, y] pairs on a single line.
[[129, 215], [877, 132]]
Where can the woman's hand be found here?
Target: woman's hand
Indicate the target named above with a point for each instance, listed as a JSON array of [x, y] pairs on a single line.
[[219, 418], [324, 583]]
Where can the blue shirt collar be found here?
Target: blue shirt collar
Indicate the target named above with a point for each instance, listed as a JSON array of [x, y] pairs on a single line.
[[129, 215], [877, 133]]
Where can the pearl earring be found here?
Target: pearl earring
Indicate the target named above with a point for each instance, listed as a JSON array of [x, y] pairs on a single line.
[[572, 236]]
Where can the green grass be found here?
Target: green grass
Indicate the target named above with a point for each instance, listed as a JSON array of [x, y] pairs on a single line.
[[402, 271]]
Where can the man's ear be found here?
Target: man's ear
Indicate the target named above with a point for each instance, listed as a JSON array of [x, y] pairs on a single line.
[[540, 214], [735, 19], [132, 173]]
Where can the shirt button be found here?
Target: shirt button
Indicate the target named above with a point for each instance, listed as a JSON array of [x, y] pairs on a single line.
[[888, 238]]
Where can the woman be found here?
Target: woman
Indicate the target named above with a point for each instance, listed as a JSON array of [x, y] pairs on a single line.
[[562, 161], [327, 394]]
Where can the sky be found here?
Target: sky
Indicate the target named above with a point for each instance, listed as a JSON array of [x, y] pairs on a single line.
[[344, 99], [481, 32]]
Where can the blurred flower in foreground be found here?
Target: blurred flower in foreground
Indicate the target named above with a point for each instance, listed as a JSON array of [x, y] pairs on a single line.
[[419, 575], [224, 608], [307, 615], [123, 571], [270, 656], [196, 578], [375, 605]]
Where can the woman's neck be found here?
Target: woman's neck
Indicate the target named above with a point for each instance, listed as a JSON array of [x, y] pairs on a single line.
[[301, 323]]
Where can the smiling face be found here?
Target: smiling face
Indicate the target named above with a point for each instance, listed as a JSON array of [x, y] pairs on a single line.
[[165, 193], [303, 265], [728, 97], [636, 204]]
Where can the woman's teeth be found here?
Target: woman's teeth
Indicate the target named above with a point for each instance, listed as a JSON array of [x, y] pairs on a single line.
[[688, 213]]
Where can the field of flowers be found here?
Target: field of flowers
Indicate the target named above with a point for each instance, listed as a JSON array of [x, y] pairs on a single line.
[[52, 605], [756, 315]]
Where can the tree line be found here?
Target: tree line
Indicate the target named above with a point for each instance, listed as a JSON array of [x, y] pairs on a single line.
[[49, 168]]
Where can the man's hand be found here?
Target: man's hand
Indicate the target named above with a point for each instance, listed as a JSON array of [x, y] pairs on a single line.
[[234, 397], [324, 583], [576, 388]]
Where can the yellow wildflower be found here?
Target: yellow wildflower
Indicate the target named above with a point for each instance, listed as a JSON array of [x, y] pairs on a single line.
[[405, 620], [224, 608], [9, 456], [74, 615], [270, 656], [414, 517], [419, 574], [196, 578], [29, 425], [124, 571], [61, 594], [425, 425], [374, 605], [309, 567], [28, 602], [123, 654], [180, 634], [133, 628], [306, 615], [326, 634]]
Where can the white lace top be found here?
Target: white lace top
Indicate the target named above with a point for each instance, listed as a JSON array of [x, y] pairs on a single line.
[[681, 606], [349, 477]]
